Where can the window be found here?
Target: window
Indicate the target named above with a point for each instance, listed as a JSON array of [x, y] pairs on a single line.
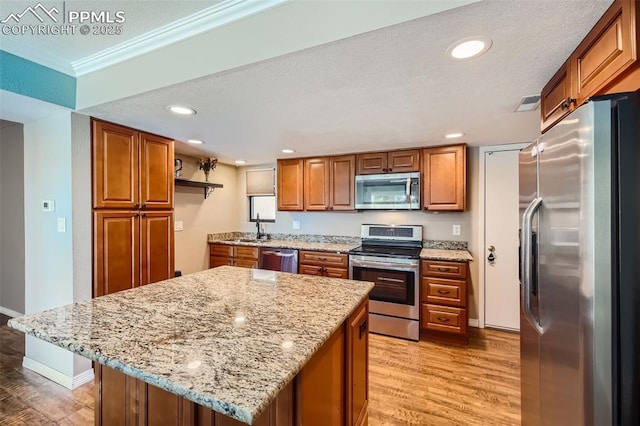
[[264, 205]]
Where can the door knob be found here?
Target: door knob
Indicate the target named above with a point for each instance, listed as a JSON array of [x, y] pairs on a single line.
[[492, 257]]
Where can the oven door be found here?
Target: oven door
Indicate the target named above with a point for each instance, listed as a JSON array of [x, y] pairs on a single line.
[[396, 286]]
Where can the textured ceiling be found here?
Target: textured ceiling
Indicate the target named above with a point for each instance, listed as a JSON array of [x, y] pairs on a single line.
[[141, 16]]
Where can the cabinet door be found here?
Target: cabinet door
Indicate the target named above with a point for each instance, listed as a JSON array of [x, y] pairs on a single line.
[[342, 185], [157, 246], [115, 166], [215, 261], [371, 163], [316, 184], [290, 185], [607, 51], [115, 404], [116, 250], [445, 178], [310, 270], [156, 172], [358, 366], [555, 98], [404, 161]]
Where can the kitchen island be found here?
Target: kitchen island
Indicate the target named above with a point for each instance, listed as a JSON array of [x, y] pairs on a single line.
[[222, 346]]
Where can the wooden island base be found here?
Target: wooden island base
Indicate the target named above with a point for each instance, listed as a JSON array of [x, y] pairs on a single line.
[[331, 389]]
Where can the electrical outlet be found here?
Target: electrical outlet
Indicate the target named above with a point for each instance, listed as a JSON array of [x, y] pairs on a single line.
[[178, 226], [296, 224], [456, 229]]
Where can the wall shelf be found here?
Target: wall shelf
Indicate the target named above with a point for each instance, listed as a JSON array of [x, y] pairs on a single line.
[[208, 187]]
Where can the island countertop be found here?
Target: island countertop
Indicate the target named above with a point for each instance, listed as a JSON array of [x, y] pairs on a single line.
[[226, 338]]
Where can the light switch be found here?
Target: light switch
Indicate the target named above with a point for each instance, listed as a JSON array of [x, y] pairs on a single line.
[[62, 224], [178, 226], [296, 224]]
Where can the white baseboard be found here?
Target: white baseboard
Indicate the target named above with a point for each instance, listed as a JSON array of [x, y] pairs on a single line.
[[56, 376], [474, 322], [9, 312]]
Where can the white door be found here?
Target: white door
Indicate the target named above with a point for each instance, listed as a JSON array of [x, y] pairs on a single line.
[[501, 284]]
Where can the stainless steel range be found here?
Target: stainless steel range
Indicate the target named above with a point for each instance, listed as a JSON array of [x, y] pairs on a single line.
[[390, 258]]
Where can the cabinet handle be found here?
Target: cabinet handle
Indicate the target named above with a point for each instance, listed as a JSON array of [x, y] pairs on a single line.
[[389, 170], [567, 102], [322, 259], [443, 291], [143, 206], [143, 215], [136, 206], [443, 269], [443, 319], [363, 329]]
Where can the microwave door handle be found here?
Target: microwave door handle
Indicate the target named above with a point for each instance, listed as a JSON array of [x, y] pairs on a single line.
[[408, 192]]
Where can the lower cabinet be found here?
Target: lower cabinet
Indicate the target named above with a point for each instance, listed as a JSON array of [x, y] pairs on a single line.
[[331, 389], [444, 299], [227, 254], [324, 264], [131, 248]]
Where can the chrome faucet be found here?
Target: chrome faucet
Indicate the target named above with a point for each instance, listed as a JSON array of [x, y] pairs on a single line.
[[259, 233]]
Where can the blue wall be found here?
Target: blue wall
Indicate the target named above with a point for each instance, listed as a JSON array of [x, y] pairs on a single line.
[[28, 78]]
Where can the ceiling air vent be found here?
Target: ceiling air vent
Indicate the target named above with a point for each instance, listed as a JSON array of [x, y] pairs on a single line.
[[527, 103]]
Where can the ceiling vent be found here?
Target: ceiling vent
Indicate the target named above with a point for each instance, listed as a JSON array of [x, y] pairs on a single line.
[[527, 103]]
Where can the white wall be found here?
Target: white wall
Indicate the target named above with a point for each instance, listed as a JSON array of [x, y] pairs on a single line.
[[12, 220], [218, 213], [52, 146]]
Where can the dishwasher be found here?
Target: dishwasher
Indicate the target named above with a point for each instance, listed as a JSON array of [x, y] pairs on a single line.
[[274, 259]]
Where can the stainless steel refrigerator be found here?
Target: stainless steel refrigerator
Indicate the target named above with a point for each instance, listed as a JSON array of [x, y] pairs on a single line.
[[580, 268]]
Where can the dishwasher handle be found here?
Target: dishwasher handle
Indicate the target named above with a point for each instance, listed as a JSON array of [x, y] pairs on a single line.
[[278, 253]]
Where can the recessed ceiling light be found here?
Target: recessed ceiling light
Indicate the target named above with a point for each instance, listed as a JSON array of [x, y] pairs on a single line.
[[240, 162], [453, 135], [182, 110], [288, 151], [469, 47], [195, 141]]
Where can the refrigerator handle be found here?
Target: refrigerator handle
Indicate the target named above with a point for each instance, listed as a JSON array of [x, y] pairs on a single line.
[[526, 265]]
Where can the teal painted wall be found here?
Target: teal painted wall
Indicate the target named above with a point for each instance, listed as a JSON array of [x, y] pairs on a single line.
[[28, 78]]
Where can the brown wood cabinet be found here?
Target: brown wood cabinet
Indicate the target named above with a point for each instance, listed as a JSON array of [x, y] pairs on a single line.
[[329, 183], [325, 264], [131, 249], [445, 178], [131, 170], [444, 297], [371, 163], [132, 176], [227, 254], [290, 184], [331, 389], [606, 61]]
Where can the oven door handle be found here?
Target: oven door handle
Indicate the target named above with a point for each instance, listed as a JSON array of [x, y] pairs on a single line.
[[390, 280], [385, 265]]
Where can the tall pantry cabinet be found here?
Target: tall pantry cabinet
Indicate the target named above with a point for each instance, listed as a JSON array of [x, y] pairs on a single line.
[[133, 182]]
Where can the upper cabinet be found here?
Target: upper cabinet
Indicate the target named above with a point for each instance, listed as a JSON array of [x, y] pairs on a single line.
[[290, 184], [372, 163], [131, 169], [444, 184], [329, 183], [606, 61]]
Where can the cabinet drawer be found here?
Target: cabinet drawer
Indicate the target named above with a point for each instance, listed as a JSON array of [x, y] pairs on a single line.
[[324, 258], [336, 273], [246, 263], [246, 252], [444, 319], [444, 291], [221, 250], [436, 268]]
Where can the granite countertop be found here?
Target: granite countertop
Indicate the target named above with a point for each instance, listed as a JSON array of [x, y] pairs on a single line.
[[227, 338], [300, 245], [446, 254]]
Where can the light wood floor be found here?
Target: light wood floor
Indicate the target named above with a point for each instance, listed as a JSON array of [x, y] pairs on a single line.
[[410, 384]]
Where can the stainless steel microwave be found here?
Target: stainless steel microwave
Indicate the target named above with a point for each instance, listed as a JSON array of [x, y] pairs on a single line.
[[391, 191]]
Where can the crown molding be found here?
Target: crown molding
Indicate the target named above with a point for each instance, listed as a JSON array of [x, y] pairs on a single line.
[[213, 17]]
